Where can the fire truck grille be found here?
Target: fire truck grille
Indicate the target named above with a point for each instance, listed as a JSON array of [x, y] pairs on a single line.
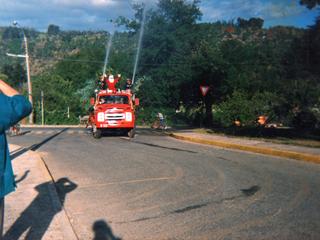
[[115, 116]]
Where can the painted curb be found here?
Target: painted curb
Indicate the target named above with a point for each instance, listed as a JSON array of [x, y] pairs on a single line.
[[261, 150]]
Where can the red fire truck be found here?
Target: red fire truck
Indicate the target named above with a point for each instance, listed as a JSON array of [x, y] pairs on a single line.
[[112, 109]]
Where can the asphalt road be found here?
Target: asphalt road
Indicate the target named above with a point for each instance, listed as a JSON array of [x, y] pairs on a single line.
[[156, 187]]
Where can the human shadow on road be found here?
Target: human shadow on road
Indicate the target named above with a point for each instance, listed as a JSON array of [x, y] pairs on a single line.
[[36, 146], [102, 231], [36, 218]]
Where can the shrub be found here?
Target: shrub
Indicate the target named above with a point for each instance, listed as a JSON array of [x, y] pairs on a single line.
[[240, 106]]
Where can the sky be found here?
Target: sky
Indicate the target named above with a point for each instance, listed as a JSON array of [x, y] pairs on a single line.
[[86, 15]]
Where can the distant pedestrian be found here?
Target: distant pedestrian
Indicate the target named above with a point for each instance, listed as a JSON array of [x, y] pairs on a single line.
[[237, 122], [161, 120], [262, 120], [13, 108]]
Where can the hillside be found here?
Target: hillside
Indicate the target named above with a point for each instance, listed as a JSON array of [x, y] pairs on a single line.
[[250, 70], [47, 50]]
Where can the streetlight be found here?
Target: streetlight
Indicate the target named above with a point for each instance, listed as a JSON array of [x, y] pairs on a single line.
[[26, 56]]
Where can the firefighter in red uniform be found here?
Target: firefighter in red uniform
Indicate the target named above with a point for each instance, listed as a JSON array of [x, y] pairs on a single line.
[[108, 81], [112, 81]]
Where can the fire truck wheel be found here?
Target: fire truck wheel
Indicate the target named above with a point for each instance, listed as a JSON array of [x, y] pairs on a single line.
[[97, 133], [131, 133]]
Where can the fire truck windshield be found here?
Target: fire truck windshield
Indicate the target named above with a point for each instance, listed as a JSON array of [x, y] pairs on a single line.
[[113, 99]]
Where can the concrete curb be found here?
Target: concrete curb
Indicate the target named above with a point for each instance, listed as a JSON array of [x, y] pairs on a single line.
[[67, 230], [261, 150]]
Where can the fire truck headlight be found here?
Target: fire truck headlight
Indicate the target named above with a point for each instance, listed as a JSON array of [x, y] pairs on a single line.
[[100, 117], [128, 116]]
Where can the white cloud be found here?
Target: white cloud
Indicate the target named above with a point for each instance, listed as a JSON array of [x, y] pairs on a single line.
[[103, 2], [278, 10], [214, 10], [85, 2]]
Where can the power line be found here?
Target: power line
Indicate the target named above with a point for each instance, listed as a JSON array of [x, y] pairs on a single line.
[[66, 59], [47, 59]]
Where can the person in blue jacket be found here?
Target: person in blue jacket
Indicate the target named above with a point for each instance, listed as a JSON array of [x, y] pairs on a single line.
[[13, 108]]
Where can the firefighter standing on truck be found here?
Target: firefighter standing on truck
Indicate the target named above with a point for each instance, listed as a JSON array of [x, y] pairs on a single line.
[[108, 81], [102, 83], [128, 84]]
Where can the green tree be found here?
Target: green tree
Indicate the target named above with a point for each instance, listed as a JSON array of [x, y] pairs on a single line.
[[207, 70], [302, 84], [16, 75], [166, 51], [253, 23], [166, 56], [245, 108], [81, 67], [11, 33], [59, 94], [53, 29], [3, 77], [310, 3]]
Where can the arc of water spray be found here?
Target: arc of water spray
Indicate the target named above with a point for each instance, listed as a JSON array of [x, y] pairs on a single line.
[[139, 44], [108, 48]]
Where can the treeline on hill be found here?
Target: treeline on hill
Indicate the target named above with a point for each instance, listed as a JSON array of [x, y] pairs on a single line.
[[251, 71]]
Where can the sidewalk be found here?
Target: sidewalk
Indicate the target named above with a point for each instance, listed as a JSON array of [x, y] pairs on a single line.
[[34, 211], [249, 145]]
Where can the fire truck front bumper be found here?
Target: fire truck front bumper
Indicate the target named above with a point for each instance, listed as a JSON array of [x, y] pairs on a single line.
[[115, 124]]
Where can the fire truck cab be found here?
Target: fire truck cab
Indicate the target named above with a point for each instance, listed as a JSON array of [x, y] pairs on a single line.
[[113, 110]]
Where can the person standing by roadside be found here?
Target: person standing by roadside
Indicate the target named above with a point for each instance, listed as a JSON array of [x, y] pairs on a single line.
[[161, 121], [13, 108]]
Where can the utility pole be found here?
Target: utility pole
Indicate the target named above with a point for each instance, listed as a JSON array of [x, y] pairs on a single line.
[[28, 77], [26, 56], [42, 108]]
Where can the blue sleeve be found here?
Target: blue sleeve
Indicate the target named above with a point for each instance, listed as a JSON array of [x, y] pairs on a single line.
[[12, 110]]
